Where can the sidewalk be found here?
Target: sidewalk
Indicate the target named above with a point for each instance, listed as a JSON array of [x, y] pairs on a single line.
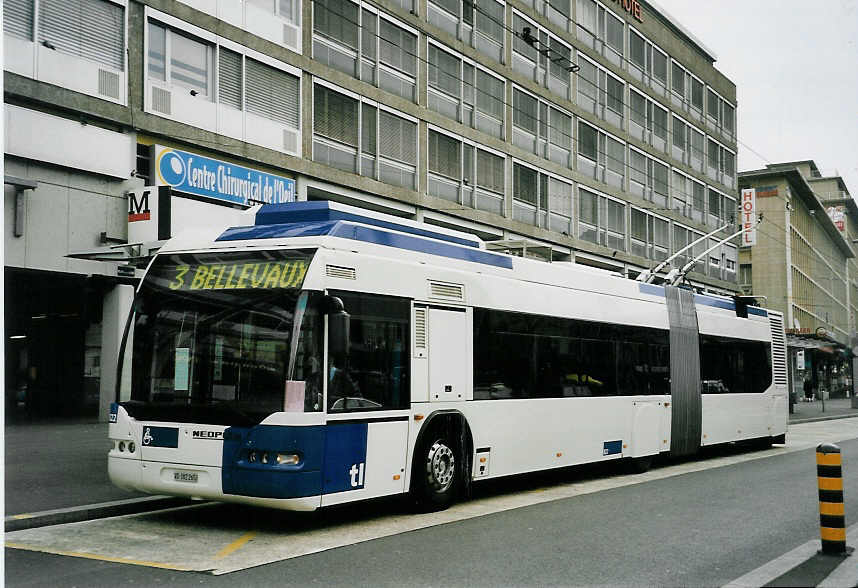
[[835, 408], [54, 465]]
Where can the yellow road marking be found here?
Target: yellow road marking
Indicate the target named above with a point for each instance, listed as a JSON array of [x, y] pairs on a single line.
[[235, 545], [133, 562], [23, 516]]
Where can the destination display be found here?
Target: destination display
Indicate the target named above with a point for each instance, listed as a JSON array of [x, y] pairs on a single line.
[[231, 271]]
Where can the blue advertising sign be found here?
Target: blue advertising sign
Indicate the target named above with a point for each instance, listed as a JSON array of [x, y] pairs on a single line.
[[211, 178]]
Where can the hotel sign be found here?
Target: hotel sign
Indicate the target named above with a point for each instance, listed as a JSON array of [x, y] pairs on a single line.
[[838, 217], [749, 217], [633, 7]]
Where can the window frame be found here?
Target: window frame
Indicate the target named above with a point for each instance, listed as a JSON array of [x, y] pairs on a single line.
[[359, 151]]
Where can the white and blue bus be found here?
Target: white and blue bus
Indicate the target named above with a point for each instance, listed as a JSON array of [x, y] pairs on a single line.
[[326, 354]]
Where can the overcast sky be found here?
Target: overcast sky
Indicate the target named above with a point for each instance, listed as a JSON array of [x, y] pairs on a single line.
[[795, 66]]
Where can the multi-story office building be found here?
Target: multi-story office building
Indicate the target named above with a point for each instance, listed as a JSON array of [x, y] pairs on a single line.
[[586, 131], [804, 265]]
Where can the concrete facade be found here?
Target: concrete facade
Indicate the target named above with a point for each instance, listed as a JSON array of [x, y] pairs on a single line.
[[673, 182]]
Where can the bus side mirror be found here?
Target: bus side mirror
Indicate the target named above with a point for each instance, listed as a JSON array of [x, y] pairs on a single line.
[[338, 328]]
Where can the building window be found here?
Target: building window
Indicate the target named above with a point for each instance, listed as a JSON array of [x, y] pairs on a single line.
[[482, 27], [649, 235], [680, 138], [253, 90], [647, 120], [75, 44], [546, 61], [696, 98], [722, 210], [601, 220], [366, 44], [721, 163], [89, 29], [357, 136], [698, 149], [271, 93], [464, 92], [541, 200], [648, 178], [601, 156], [177, 59], [601, 30], [720, 114], [647, 63], [461, 172], [541, 128], [601, 93]]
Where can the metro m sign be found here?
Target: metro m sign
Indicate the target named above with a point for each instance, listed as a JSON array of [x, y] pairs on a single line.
[[749, 217], [138, 206]]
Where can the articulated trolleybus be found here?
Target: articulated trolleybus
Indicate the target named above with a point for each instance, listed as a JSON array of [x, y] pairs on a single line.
[[325, 354]]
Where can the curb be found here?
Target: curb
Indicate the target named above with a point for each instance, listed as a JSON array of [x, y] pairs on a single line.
[[88, 512], [821, 418]]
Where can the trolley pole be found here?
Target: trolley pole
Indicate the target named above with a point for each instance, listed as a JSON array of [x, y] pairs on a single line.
[[832, 519]]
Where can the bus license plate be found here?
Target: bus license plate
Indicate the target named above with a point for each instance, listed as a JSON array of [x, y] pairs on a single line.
[[189, 477]]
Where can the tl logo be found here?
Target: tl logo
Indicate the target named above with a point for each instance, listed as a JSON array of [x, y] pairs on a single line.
[[356, 473]]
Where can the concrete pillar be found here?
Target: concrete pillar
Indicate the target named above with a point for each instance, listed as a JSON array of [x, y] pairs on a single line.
[[114, 313]]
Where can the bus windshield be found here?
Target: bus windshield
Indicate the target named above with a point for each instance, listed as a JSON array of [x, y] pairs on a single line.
[[220, 338]]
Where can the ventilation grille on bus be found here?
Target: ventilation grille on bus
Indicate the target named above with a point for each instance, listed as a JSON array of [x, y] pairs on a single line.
[[336, 271], [420, 314], [161, 100], [778, 350], [108, 83], [446, 291]]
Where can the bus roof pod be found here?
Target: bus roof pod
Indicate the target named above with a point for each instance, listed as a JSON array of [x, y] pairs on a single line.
[[323, 210]]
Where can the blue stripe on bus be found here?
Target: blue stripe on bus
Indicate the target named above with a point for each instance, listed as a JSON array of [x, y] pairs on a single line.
[[311, 212], [348, 230], [703, 300], [333, 459]]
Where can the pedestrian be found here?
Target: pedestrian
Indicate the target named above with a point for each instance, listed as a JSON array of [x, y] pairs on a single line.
[[808, 390]]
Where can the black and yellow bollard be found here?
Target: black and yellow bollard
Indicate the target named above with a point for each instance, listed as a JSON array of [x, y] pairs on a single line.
[[832, 520]]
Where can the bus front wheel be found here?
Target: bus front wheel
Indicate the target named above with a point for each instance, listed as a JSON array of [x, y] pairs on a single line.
[[438, 473]]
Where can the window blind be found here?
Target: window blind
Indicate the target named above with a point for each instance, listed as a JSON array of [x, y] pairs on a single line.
[[524, 111], [398, 47], [368, 123], [561, 129], [490, 174], [489, 95], [524, 184], [397, 138], [18, 18], [335, 116], [338, 20], [444, 71], [444, 157], [90, 29], [229, 78], [272, 93]]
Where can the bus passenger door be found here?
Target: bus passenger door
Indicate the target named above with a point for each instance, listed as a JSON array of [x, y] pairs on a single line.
[[450, 354]]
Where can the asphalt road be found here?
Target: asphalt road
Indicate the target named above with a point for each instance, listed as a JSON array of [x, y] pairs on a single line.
[[701, 528]]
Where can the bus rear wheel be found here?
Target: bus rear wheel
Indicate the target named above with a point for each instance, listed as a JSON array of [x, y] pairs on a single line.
[[437, 474]]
